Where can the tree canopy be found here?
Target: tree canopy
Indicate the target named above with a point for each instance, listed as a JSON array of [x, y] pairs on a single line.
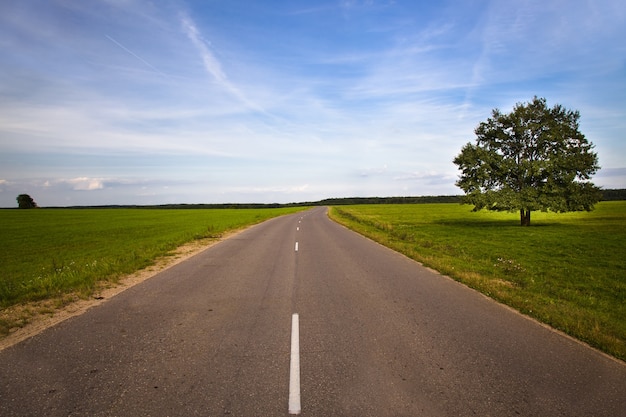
[[534, 158], [24, 201]]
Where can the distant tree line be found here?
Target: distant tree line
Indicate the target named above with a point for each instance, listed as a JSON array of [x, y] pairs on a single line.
[[613, 195], [27, 202], [389, 200], [325, 202]]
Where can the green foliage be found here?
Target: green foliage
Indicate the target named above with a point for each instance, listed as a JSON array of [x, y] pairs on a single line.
[[567, 270], [49, 252], [24, 201], [534, 158]]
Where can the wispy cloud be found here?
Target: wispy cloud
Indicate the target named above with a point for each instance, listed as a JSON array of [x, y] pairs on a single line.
[[212, 64]]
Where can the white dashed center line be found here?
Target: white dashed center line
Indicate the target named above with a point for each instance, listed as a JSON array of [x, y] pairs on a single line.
[[296, 246], [294, 367]]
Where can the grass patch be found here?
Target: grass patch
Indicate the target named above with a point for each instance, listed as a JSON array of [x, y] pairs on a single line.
[[50, 252], [567, 270]]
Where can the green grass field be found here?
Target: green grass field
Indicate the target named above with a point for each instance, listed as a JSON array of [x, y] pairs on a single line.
[[49, 252], [567, 270]]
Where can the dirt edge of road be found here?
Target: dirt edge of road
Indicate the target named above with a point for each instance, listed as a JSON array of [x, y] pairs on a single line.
[[41, 315]]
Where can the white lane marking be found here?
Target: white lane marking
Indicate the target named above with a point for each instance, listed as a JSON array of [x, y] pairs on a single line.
[[296, 246], [294, 367], [297, 229]]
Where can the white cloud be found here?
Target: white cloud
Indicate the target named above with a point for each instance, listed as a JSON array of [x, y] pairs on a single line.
[[85, 184]]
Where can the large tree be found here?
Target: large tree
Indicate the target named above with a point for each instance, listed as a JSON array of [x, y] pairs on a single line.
[[24, 201], [534, 158]]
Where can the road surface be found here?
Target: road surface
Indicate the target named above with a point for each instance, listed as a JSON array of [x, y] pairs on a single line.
[[375, 333]]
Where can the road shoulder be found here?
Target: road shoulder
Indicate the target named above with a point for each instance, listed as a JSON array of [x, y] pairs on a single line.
[[32, 318]]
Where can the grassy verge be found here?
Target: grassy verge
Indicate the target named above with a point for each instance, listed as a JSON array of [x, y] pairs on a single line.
[[50, 253], [567, 270]]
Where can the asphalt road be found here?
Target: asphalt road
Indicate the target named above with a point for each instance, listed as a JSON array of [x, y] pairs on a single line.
[[379, 335]]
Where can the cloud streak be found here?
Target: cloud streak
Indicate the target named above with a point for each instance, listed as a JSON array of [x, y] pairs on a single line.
[[149, 65], [212, 65]]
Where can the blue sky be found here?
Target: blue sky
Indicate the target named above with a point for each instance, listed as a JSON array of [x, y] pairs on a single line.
[[153, 102]]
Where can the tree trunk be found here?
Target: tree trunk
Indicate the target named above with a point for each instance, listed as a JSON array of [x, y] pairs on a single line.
[[524, 217]]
